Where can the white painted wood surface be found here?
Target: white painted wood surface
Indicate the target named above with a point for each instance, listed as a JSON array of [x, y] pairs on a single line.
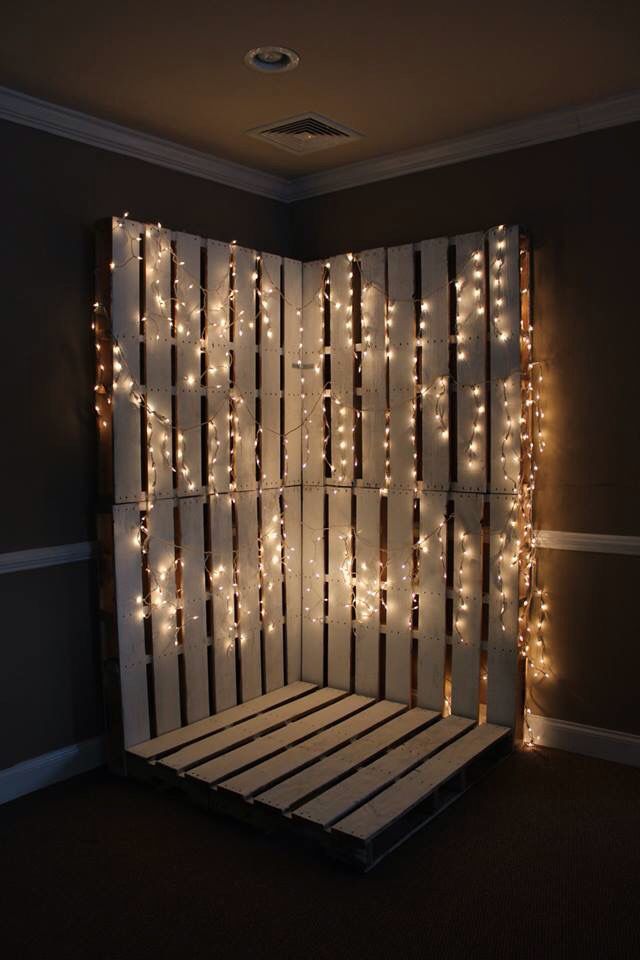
[[222, 600], [293, 358], [401, 322], [187, 321], [434, 330], [313, 606], [312, 373], [467, 605], [471, 322], [432, 639], [164, 744], [399, 798], [125, 324], [336, 802], [218, 357], [261, 776], [367, 592], [194, 617], [342, 361], [272, 743], [373, 285], [164, 603], [322, 774], [158, 334], [202, 750], [129, 617], [340, 588], [293, 580]]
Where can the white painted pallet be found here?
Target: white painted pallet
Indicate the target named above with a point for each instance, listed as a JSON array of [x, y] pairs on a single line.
[[348, 771]]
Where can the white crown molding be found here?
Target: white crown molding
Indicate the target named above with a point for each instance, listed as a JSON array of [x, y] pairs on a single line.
[[542, 128], [588, 542], [50, 768], [74, 125], [19, 560], [557, 125], [590, 741]]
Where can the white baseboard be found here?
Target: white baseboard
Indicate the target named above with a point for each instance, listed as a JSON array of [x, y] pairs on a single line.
[[50, 768], [34, 559], [590, 741]]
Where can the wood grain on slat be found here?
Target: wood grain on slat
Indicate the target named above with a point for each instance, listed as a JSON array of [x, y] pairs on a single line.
[[240, 733], [125, 326], [283, 738], [339, 581], [248, 597], [342, 357], [292, 320], [327, 771], [432, 640], [312, 584], [471, 358], [270, 386], [194, 618], [402, 467], [259, 777], [151, 749], [221, 586], [188, 379], [367, 626], [467, 605], [217, 375], [158, 334], [164, 622], [273, 613], [435, 364], [399, 798], [312, 373], [129, 618], [502, 642], [373, 366], [293, 579], [338, 801]]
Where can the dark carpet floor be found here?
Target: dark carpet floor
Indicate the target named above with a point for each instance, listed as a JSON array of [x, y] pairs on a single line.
[[539, 860]]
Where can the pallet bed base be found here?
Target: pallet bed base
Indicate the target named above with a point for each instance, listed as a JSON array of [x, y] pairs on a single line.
[[355, 775]]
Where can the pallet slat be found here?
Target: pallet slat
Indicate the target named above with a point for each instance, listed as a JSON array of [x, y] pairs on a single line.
[[234, 761], [326, 771], [265, 774], [373, 817], [334, 804], [402, 471], [159, 746], [240, 733]]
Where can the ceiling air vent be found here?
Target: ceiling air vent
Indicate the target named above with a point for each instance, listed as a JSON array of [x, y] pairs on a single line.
[[305, 134]]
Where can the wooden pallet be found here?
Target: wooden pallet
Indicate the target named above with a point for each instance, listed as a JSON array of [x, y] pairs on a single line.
[[354, 774]]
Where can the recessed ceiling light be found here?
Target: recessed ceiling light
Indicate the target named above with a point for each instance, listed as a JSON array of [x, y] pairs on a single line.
[[271, 59]]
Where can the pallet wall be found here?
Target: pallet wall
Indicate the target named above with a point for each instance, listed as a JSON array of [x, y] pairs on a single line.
[[411, 473], [308, 471], [199, 409]]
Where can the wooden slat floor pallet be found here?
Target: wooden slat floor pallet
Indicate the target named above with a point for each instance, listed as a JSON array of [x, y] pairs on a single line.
[[355, 774]]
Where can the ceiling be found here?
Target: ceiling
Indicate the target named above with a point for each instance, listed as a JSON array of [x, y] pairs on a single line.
[[403, 74]]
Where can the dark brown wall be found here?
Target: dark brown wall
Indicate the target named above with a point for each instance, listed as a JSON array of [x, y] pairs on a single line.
[[579, 200], [54, 191]]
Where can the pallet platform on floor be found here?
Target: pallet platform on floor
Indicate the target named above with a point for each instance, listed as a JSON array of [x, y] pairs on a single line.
[[355, 774]]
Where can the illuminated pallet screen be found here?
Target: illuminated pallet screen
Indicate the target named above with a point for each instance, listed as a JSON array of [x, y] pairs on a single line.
[[310, 472]]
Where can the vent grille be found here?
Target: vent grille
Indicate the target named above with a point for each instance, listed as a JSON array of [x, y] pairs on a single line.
[[305, 134]]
